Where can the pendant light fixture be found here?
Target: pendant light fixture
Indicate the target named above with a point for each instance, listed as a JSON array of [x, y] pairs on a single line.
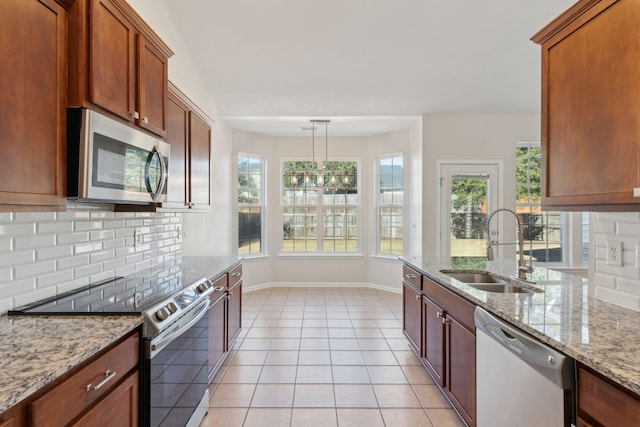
[[321, 169]]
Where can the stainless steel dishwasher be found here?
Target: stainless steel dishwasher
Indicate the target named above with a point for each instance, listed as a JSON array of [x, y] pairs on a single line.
[[520, 381]]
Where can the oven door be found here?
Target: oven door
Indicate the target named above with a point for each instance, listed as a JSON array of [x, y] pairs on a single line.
[[175, 380]]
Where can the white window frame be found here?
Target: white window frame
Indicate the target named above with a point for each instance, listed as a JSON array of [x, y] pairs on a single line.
[[318, 207], [262, 204], [379, 205], [571, 233]]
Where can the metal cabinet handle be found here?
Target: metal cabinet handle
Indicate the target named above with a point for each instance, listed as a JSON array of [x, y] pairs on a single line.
[[418, 297], [445, 320], [218, 288], [411, 276], [135, 115], [145, 120], [439, 315], [108, 375], [236, 274]]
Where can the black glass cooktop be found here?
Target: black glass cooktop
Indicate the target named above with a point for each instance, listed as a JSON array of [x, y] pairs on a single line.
[[118, 296]]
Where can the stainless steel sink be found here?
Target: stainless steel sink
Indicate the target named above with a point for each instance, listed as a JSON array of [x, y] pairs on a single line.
[[475, 277], [502, 288], [485, 281]]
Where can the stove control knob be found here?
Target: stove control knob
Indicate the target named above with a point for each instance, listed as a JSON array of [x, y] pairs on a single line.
[[162, 314], [171, 307], [203, 287]]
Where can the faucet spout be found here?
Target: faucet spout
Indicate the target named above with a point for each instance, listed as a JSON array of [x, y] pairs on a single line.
[[523, 268]]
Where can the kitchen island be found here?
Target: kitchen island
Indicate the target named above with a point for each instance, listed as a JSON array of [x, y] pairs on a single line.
[[603, 336]]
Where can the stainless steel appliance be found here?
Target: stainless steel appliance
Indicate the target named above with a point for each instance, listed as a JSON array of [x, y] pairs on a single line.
[[108, 161], [520, 381], [174, 380]]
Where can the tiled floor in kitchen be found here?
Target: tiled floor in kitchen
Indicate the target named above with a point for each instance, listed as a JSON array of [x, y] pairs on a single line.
[[324, 357]]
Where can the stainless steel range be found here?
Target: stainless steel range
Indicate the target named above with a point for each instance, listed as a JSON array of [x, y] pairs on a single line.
[[174, 380]]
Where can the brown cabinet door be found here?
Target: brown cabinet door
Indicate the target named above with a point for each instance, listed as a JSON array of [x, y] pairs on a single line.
[[590, 110], [217, 334], [112, 61], [412, 317], [34, 97], [177, 137], [235, 313], [434, 340], [152, 87], [199, 160], [118, 408], [461, 369]]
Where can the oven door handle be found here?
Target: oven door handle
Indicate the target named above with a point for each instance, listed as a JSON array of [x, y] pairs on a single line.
[[157, 346]]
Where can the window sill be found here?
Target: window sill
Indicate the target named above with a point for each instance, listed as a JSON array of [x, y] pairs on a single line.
[[256, 257], [321, 256], [387, 257]]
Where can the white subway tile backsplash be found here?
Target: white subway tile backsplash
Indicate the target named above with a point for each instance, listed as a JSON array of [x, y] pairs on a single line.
[[65, 263], [54, 227], [620, 298], [54, 252], [34, 216], [605, 280], [10, 259], [18, 229], [82, 248], [45, 253], [29, 242], [29, 270]]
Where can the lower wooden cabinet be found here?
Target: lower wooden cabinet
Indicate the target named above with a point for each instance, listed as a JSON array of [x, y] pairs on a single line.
[[434, 340], [234, 300], [461, 369], [217, 333], [412, 316], [602, 403], [118, 408]]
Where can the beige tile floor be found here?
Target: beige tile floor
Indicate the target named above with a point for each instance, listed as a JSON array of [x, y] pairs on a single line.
[[324, 357]]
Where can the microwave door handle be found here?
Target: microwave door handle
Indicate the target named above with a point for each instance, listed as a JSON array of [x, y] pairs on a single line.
[[163, 175]]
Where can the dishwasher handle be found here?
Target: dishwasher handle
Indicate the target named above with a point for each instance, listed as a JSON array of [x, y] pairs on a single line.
[[555, 366]]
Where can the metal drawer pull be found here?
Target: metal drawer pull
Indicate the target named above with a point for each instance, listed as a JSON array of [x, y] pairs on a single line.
[[218, 288], [438, 314], [236, 274], [411, 276], [417, 297], [108, 375]]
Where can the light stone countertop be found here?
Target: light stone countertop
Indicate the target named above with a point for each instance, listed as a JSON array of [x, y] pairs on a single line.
[[603, 336], [36, 350]]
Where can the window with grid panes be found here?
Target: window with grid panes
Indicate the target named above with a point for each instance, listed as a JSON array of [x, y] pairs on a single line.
[[250, 204], [390, 199], [320, 207]]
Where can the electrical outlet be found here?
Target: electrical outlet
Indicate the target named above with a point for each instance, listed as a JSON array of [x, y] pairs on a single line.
[[614, 253], [137, 238]]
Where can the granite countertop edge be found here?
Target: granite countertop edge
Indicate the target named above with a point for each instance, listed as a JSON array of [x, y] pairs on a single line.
[[604, 354]]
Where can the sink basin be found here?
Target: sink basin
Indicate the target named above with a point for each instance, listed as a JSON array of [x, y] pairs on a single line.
[[488, 282], [501, 288], [474, 277]]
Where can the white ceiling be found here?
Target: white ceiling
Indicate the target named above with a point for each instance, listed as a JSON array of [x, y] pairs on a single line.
[[371, 66]]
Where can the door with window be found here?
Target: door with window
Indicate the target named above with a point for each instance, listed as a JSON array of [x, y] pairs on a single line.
[[468, 193]]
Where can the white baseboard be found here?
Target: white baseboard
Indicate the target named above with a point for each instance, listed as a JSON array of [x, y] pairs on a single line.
[[269, 285]]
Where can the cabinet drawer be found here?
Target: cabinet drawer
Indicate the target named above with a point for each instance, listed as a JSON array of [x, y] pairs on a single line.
[[604, 402], [235, 275], [453, 304], [221, 281], [412, 277], [68, 399]]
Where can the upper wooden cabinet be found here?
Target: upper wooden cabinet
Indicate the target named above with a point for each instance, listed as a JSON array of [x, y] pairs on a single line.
[[189, 135], [590, 107], [33, 44], [118, 64]]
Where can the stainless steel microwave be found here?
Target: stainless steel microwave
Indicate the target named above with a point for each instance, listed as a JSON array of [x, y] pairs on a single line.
[[108, 161]]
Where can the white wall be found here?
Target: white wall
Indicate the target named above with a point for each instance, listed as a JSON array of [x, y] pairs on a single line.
[[471, 137], [340, 270], [204, 233]]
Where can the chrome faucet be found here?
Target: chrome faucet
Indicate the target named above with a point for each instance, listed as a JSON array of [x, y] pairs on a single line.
[[523, 269]]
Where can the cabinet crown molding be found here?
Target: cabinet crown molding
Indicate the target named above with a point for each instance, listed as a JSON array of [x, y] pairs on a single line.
[[565, 19]]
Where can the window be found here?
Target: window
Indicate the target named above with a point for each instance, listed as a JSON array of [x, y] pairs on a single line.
[[550, 237], [250, 204], [390, 198], [320, 207]]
